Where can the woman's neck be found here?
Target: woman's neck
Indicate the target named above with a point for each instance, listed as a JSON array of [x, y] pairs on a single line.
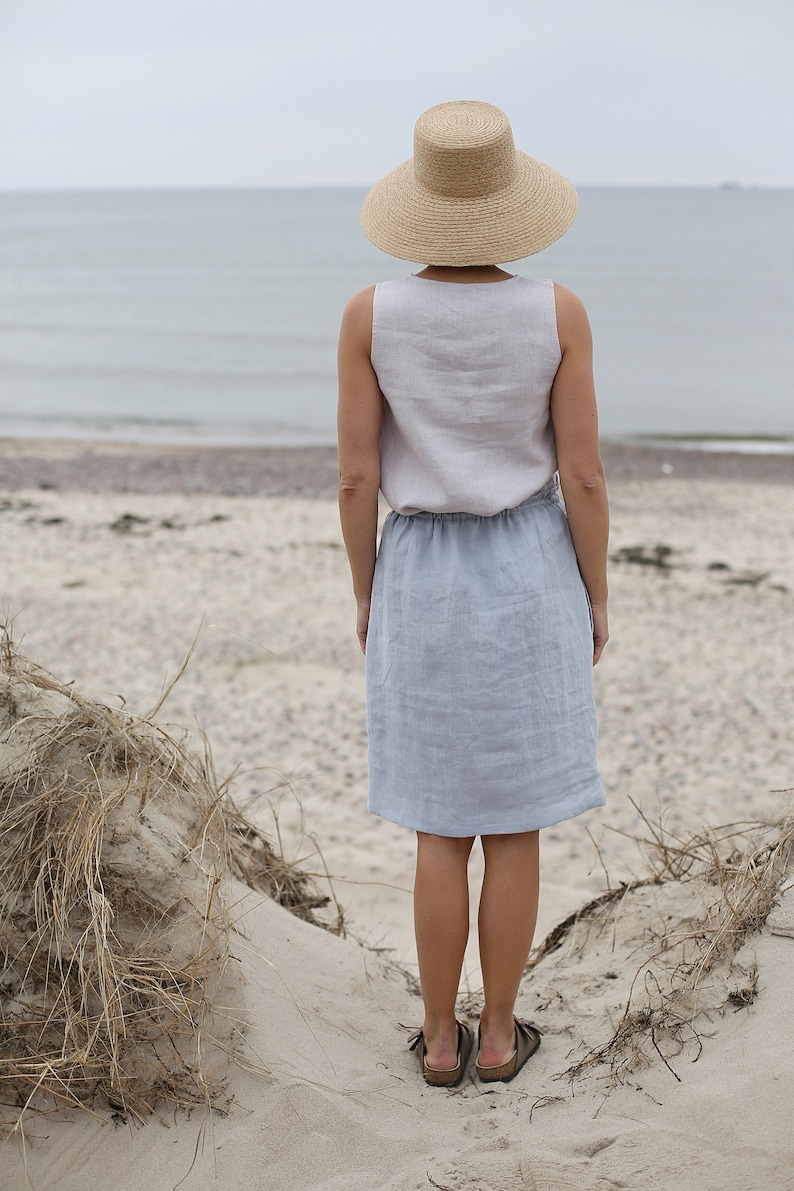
[[464, 274]]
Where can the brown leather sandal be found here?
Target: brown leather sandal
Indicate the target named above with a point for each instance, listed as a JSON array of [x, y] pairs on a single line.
[[527, 1042], [452, 1077]]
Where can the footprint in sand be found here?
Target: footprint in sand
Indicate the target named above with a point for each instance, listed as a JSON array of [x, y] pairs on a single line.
[[490, 1172]]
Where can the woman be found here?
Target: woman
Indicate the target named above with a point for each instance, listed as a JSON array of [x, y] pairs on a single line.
[[464, 391]]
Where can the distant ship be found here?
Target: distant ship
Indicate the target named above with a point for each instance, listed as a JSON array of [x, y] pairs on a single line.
[[730, 185]]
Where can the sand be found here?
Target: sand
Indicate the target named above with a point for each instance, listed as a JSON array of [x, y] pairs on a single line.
[[115, 559]]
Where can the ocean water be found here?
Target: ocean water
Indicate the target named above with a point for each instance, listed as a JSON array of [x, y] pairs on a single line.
[[213, 315]]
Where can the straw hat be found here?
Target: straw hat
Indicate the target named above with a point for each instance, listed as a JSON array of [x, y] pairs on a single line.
[[467, 196]]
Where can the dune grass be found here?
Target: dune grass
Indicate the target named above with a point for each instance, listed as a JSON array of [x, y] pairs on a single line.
[[117, 845], [711, 892]]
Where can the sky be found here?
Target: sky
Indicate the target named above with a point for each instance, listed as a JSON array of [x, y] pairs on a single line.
[[226, 93]]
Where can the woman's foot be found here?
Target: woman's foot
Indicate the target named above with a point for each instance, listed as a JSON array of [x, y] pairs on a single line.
[[441, 1041], [442, 1072], [496, 1038], [525, 1041]]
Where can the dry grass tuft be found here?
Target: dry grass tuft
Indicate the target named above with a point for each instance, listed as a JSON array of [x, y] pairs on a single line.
[[692, 964], [116, 847]]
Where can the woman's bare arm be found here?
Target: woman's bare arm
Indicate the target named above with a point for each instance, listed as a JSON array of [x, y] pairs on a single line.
[[359, 419], [575, 418]]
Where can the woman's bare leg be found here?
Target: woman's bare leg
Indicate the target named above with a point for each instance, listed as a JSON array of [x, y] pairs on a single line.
[[441, 922], [508, 911]]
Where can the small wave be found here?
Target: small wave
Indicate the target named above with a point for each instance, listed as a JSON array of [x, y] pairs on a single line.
[[751, 445], [178, 433]]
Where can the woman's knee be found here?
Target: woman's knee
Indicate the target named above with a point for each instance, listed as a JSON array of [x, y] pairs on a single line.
[[446, 847], [516, 842]]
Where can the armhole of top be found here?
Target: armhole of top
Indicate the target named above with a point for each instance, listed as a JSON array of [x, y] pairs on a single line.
[[375, 304], [554, 325]]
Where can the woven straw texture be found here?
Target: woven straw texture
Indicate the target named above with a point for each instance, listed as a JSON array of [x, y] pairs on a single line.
[[467, 196]]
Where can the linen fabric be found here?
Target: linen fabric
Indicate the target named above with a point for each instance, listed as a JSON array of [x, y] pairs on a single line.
[[479, 673], [479, 657], [466, 372]]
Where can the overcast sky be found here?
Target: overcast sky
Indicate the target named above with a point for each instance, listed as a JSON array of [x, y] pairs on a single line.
[[131, 93]]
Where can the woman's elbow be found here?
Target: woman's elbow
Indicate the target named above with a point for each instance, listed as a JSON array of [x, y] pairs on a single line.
[[354, 483], [585, 478]]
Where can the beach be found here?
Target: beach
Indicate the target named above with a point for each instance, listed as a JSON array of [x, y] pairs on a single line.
[[117, 559]]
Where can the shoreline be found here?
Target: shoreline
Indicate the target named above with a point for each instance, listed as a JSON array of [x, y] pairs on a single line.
[[308, 472]]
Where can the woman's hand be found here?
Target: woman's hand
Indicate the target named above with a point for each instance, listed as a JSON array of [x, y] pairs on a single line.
[[362, 623], [600, 630]]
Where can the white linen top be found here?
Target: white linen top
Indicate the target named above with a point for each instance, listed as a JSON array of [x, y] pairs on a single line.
[[466, 374]]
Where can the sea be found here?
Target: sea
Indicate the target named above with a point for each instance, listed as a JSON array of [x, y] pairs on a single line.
[[211, 316]]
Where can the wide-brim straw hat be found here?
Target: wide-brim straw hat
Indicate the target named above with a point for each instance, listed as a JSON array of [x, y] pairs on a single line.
[[467, 196]]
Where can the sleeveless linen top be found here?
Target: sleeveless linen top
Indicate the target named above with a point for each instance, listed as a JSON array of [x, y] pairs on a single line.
[[466, 374]]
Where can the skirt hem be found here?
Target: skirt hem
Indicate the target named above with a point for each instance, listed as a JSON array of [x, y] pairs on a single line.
[[533, 823]]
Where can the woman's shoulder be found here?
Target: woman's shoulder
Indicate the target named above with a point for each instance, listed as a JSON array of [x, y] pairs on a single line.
[[566, 296], [362, 301], [569, 305], [394, 287], [357, 316], [572, 320]]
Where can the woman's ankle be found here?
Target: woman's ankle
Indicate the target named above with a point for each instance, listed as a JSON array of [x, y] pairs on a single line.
[[441, 1040], [497, 1037]]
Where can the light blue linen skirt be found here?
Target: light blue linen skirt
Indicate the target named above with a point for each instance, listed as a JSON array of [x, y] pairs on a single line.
[[479, 658]]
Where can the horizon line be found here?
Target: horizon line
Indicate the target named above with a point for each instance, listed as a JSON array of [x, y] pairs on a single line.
[[727, 185]]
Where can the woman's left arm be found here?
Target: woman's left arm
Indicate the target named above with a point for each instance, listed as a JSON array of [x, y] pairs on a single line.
[[358, 421], [575, 419]]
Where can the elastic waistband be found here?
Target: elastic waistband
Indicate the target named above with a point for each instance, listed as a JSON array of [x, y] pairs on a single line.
[[548, 495]]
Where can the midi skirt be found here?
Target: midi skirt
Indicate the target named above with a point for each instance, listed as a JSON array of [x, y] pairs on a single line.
[[480, 708]]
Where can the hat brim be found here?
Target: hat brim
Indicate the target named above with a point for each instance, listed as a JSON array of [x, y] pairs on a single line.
[[408, 221]]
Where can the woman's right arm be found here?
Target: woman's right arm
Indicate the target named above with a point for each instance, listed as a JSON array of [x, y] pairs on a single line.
[[575, 418], [359, 419]]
